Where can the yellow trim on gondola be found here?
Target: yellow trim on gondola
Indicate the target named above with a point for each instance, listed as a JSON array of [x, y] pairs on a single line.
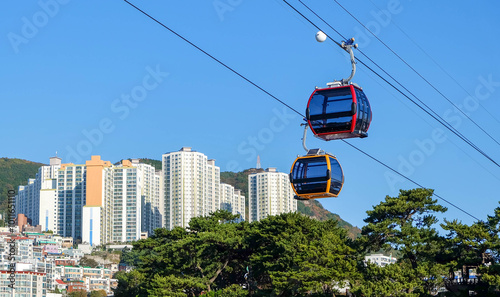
[[326, 194]]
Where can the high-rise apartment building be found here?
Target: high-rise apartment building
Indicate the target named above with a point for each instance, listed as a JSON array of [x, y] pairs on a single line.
[[98, 208], [71, 197], [191, 185], [27, 202], [152, 200], [239, 205], [270, 193], [37, 199], [232, 200], [48, 194], [212, 200], [126, 201], [98, 202], [127, 209]]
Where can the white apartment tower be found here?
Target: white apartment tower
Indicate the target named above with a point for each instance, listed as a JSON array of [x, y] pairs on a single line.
[[270, 193], [232, 200], [212, 200], [95, 202], [71, 197], [190, 186], [126, 220], [239, 205], [27, 202], [151, 196], [126, 201], [48, 194], [37, 200], [98, 207]]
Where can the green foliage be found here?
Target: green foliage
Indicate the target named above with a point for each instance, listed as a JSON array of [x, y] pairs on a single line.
[[174, 286], [476, 246], [13, 173], [84, 261], [312, 208], [391, 280], [98, 293], [231, 291], [78, 293], [131, 284], [405, 223], [155, 163], [208, 250], [287, 255], [294, 254], [239, 180], [302, 208]]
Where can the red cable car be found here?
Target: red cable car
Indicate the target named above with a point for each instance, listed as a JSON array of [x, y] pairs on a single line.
[[339, 112]]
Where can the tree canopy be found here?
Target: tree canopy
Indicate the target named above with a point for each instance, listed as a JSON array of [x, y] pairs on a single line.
[[285, 255], [294, 255]]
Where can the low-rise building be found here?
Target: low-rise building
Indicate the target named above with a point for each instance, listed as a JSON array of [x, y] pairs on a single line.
[[26, 283], [380, 259]]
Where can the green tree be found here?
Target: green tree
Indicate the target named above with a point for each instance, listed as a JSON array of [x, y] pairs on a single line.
[[13, 173], [286, 255], [175, 286], [491, 272], [84, 261], [98, 293], [231, 291], [202, 257], [78, 293], [294, 255], [405, 223], [215, 249], [131, 284], [477, 245], [391, 280]]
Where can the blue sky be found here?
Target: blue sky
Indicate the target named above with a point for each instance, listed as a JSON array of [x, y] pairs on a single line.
[[97, 77]]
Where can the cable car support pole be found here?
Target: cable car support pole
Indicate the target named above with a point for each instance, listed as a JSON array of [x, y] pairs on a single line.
[[347, 46], [304, 137]]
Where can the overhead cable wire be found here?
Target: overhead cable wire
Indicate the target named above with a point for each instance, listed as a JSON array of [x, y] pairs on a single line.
[[418, 73], [430, 125], [214, 58], [411, 180], [280, 101], [441, 67], [430, 111], [441, 120]]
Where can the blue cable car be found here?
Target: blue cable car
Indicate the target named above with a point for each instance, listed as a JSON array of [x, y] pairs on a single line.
[[339, 112], [342, 109], [316, 175]]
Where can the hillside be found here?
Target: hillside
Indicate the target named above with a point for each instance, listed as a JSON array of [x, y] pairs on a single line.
[[155, 163], [239, 180], [313, 208], [13, 173]]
